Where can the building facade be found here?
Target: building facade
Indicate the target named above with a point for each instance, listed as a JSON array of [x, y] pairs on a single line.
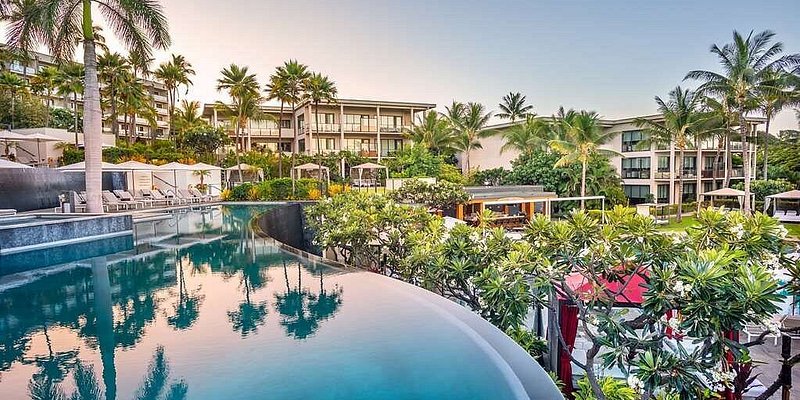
[[369, 128], [648, 174], [142, 128]]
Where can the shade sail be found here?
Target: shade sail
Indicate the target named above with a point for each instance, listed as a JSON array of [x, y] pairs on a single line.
[[369, 165], [8, 135], [40, 137], [204, 167], [175, 166], [310, 167], [81, 166], [725, 192], [137, 166], [5, 164], [790, 195]]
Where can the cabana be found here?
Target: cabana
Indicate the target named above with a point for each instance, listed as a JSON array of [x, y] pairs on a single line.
[[81, 167], [787, 214], [176, 175], [5, 164], [312, 171], [512, 205], [7, 137], [139, 175], [209, 175], [249, 174], [370, 168], [724, 192]]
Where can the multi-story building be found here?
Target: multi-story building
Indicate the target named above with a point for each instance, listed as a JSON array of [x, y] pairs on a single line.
[[648, 174], [370, 128], [158, 92]]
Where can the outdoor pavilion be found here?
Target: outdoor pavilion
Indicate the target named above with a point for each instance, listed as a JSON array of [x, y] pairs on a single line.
[[724, 192], [139, 174], [7, 137], [789, 214], [513, 205], [370, 168], [250, 173], [311, 170], [176, 175]]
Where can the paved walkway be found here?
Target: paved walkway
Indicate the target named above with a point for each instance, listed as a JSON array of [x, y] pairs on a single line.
[[770, 356]]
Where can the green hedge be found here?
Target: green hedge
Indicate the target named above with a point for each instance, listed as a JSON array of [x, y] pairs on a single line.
[[275, 190]]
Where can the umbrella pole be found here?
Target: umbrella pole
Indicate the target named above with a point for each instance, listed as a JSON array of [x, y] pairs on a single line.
[[38, 152]]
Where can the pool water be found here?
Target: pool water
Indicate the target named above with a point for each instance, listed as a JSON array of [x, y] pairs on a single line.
[[204, 308]]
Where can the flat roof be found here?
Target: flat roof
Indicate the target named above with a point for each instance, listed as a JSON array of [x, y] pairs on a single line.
[[607, 123], [208, 108], [507, 192]]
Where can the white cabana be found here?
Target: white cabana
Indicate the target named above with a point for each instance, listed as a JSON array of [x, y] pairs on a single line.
[[724, 192], [176, 175], [7, 137], [139, 174], [784, 214], [39, 138], [250, 173], [81, 167], [209, 175], [311, 170], [369, 167], [5, 164]]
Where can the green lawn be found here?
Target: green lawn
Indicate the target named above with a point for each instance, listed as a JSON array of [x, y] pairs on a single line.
[[687, 221]]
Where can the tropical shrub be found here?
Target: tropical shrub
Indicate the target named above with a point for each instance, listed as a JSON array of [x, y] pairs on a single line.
[[488, 177], [613, 389], [761, 188], [440, 195], [274, 190]]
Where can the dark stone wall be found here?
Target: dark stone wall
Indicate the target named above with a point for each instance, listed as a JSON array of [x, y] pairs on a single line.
[[29, 260], [69, 228], [28, 189], [287, 224]]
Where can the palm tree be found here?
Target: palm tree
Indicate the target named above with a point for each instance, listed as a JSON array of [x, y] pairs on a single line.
[[725, 118], [187, 117], [318, 88], [174, 74], [683, 122], [469, 121], [580, 137], [774, 99], [44, 83], [243, 89], [528, 137], [513, 107], [60, 25], [277, 90], [135, 101], [111, 66], [434, 132], [292, 75], [70, 82], [12, 84], [747, 63]]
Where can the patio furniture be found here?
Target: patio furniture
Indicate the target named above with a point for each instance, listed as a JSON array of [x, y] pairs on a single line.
[[792, 322], [109, 200], [188, 196], [7, 212], [128, 197], [752, 331], [197, 193], [147, 194]]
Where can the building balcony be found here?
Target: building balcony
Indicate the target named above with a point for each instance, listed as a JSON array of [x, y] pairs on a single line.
[[689, 174], [159, 98], [274, 132], [395, 129], [324, 128], [636, 174], [662, 174]]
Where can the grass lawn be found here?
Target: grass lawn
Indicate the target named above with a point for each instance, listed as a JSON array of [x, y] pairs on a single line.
[[687, 221]]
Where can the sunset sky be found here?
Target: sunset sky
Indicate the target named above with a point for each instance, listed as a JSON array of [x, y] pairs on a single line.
[[610, 56]]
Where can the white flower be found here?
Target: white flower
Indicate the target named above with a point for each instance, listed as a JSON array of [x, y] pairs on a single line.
[[782, 231], [771, 261], [584, 252], [772, 326], [722, 379], [682, 289], [738, 231], [635, 383], [676, 239]]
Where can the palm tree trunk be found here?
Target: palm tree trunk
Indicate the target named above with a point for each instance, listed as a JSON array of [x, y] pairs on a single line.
[[12, 110], [280, 153], [766, 147], [75, 118], [294, 147], [583, 183], [466, 161], [718, 159], [92, 117], [746, 161], [114, 123], [728, 161], [239, 135], [47, 119], [679, 193], [319, 149], [104, 324]]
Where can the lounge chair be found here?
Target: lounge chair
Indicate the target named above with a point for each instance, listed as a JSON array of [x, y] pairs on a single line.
[[147, 194], [125, 196], [204, 197], [792, 322], [109, 200], [175, 197], [7, 212], [188, 196]]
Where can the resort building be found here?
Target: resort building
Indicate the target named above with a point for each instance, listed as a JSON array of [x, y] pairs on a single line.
[[648, 174], [369, 128], [158, 93]]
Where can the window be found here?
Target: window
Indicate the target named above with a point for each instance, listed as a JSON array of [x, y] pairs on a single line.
[[637, 194], [708, 186], [690, 166], [663, 193], [631, 139], [636, 168], [689, 192], [329, 144], [391, 123], [301, 144], [285, 147], [286, 123], [390, 146], [326, 118], [663, 164]]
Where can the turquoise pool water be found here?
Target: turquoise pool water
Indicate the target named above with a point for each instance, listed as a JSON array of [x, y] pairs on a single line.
[[204, 308]]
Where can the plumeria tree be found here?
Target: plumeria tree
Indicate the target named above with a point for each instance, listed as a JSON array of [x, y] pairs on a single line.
[[697, 289]]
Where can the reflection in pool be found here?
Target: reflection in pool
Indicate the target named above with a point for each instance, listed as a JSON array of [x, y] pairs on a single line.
[[203, 308]]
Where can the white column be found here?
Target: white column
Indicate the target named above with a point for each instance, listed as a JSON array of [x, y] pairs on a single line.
[[307, 129], [672, 166], [698, 163], [378, 146], [341, 134]]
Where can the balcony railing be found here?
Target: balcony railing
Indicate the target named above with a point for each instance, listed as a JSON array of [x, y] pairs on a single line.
[[324, 128], [661, 174], [264, 132], [636, 173], [689, 173]]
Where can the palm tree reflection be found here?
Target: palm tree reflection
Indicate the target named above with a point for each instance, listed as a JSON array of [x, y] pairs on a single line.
[[187, 309], [155, 385], [301, 310]]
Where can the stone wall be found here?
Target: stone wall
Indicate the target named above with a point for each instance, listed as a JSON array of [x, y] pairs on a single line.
[[287, 224], [25, 189]]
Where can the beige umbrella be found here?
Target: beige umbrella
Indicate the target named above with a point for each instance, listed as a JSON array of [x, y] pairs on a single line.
[[8, 136], [39, 138]]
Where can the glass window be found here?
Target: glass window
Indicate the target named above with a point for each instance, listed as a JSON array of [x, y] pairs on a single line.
[[636, 168], [663, 193], [637, 194], [631, 139], [286, 123]]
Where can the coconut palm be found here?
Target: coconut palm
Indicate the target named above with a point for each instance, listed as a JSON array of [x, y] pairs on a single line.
[[772, 100], [292, 74], [110, 67], [318, 88], [747, 66], [528, 137], [187, 117], [513, 107], [60, 25], [469, 121], [70, 82], [682, 123], [135, 101], [580, 137], [277, 89], [44, 83], [174, 74], [12, 84], [434, 132], [725, 118], [243, 89]]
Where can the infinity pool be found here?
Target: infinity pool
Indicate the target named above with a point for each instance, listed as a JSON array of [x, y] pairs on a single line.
[[205, 308]]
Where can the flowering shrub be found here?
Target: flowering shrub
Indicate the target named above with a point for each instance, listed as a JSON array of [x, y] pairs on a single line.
[[439, 195]]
